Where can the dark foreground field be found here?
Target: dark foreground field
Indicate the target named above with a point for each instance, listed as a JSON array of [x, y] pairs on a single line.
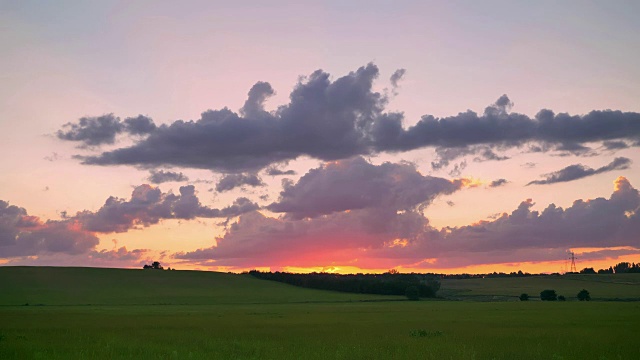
[[275, 321]]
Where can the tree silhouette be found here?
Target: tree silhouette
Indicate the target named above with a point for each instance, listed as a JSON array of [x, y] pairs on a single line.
[[412, 293], [524, 297], [583, 295], [548, 295], [155, 265]]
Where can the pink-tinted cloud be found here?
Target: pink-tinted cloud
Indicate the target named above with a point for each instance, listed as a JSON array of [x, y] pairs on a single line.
[[24, 235], [148, 205], [120, 257], [372, 236], [357, 184]]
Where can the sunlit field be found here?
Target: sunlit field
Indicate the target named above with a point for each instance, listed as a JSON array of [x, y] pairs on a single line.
[[237, 317]]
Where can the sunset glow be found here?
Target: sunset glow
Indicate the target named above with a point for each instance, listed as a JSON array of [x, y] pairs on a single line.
[[288, 142]]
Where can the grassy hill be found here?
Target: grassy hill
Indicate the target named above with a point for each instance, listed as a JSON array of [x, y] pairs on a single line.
[[97, 286], [601, 287]]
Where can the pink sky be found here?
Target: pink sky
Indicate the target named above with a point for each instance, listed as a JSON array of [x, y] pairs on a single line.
[[373, 182]]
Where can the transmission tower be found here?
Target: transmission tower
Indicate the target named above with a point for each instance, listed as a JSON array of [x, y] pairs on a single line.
[[572, 256]]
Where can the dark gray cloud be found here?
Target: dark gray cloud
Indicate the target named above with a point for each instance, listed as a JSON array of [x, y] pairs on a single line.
[[272, 171], [232, 181], [325, 119], [498, 182], [140, 125], [332, 120], [92, 131], [615, 145], [357, 184], [259, 93], [498, 127], [24, 235], [395, 79], [579, 171], [444, 156], [101, 130], [397, 76], [149, 205], [161, 176]]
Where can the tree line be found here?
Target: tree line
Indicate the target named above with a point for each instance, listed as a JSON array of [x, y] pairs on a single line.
[[391, 283], [619, 268]]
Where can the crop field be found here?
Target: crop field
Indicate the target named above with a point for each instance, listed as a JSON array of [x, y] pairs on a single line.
[[625, 287], [237, 317]]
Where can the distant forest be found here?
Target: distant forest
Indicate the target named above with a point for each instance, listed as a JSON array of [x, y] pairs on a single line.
[[390, 283], [395, 283]]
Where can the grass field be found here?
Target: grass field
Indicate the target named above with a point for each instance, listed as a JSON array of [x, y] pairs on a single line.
[[95, 286], [601, 287], [247, 318]]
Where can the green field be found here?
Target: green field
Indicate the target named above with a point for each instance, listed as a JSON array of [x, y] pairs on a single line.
[[622, 287], [135, 314], [94, 286]]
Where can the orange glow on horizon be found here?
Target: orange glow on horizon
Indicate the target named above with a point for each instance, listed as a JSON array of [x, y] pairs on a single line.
[[545, 267]]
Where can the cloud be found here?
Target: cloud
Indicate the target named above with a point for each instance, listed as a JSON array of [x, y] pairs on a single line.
[[337, 119], [161, 176], [25, 235], [579, 171], [615, 145], [324, 119], [397, 76], [498, 182], [587, 223], [120, 257], [92, 131], [372, 237], [259, 93], [395, 79], [120, 254], [140, 125], [357, 184], [149, 205], [232, 181], [101, 130], [53, 157], [272, 171]]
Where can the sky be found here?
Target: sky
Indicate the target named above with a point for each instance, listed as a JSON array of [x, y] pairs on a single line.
[[338, 136]]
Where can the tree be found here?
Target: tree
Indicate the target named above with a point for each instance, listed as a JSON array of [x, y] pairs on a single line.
[[622, 267], [548, 295], [561, 298], [524, 297], [412, 293], [587, 271], [583, 295], [155, 265]]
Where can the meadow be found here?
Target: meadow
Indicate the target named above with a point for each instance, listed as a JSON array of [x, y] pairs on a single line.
[[199, 315], [603, 287]]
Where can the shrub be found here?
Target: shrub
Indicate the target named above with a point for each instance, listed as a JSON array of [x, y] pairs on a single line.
[[524, 297], [561, 298], [412, 293], [583, 295], [548, 295]]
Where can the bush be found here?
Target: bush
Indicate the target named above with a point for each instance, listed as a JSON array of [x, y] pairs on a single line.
[[548, 295], [412, 293], [561, 298], [524, 297], [583, 295]]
